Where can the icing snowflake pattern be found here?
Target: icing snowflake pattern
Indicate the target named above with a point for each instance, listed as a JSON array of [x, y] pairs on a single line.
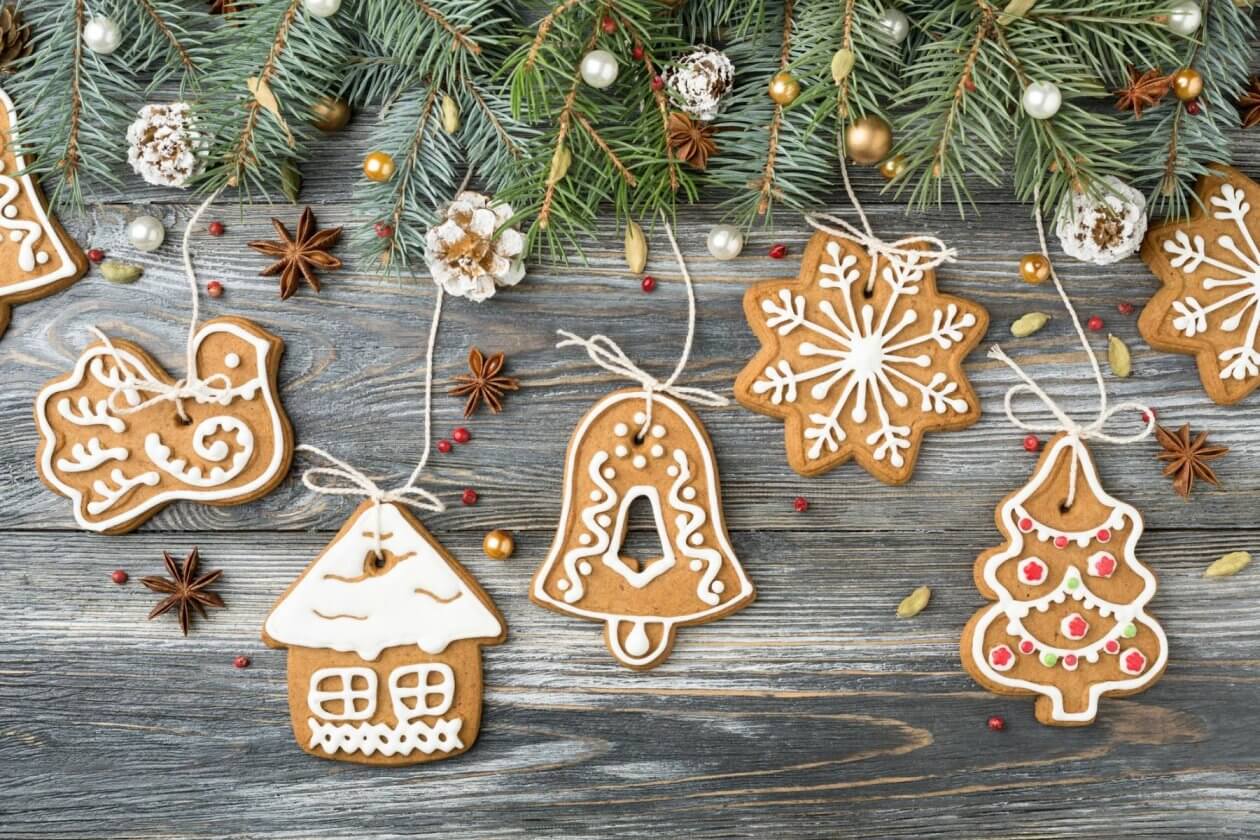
[[864, 371]]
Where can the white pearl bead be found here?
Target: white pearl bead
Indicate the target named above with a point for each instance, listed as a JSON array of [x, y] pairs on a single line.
[[101, 35], [1185, 17], [146, 233], [322, 8], [725, 241], [1042, 100], [895, 25], [599, 68]]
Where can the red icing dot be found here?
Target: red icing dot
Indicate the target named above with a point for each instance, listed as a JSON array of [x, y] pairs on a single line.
[[1032, 443], [1133, 662], [778, 251], [118, 576], [1111, 646], [444, 446], [1001, 657], [461, 435], [1070, 660], [96, 255], [1095, 323], [1060, 541], [1104, 535], [240, 662], [1102, 565], [1025, 524], [997, 723], [648, 284], [1026, 646], [216, 228], [1033, 571], [1075, 627], [800, 504], [469, 497]]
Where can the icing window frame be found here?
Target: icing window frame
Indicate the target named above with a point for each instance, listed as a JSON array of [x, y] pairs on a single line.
[[316, 697], [400, 694]]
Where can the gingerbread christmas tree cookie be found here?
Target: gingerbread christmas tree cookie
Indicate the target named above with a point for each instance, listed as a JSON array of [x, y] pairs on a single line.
[[1209, 303], [860, 360], [37, 257]]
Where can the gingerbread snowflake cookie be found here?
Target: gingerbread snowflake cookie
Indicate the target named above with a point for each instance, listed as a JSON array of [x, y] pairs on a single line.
[[37, 257], [859, 365], [1209, 304]]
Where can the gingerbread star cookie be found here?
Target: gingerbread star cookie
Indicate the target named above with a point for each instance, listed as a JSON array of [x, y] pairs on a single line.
[[37, 257], [1209, 305], [859, 365]]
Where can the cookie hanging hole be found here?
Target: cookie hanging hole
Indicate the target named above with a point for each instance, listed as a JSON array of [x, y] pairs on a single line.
[[639, 437], [183, 419], [1065, 506], [378, 560]]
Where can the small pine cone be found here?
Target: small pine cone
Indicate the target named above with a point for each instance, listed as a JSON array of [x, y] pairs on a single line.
[[15, 37], [470, 253], [165, 149]]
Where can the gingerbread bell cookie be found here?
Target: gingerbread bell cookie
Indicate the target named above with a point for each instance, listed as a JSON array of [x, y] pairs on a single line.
[[1209, 303], [860, 357], [384, 631], [620, 456], [37, 257], [121, 438], [1068, 621]]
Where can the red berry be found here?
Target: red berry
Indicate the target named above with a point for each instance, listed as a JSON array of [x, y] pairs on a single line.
[[778, 251], [1125, 308], [637, 52], [969, 84], [461, 435], [96, 255], [1032, 443], [383, 231], [443, 446], [118, 576], [657, 83], [800, 504], [608, 24], [240, 662], [649, 283], [1149, 415], [469, 497], [1193, 107], [1095, 323], [997, 723], [214, 288], [216, 228]]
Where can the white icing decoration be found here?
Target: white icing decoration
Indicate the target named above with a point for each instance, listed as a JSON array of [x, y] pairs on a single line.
[[400, 739], [584, 539], [1023, 571], [122, 485], [1092, 566], [1065, 626], [585, 568], [863, 356], [232, 361], [344, 692], [639, 462], [41, 258], [420, 600], [695, 565], [640, 418], [412, 701], [10, 211], [90, 415], [658, 431], [621, 451], [621, 430], [91, 456], [657, 450], [1012, 611], [1010, 663], [160, 454], [610, 473], [719, 587]]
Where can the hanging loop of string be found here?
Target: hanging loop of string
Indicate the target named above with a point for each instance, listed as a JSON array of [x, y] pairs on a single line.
[[606, 353], [132, 379]]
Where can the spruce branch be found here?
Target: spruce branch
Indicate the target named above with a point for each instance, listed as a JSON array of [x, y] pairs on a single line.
[[459, 37]]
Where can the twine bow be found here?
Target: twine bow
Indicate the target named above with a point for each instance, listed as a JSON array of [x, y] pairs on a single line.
[[899, 252]]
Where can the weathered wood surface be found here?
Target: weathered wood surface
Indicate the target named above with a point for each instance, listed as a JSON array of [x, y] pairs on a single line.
[[812, 713]]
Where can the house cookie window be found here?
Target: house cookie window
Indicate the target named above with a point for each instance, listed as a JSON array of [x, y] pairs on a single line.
[[421, 690], [343, 693]]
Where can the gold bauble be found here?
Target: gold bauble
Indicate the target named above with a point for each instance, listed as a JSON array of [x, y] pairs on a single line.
[[1034, 268], [893, 167], [1187, 83], [498, 545], [868, 139], [378, 166], [330, 114], [784, 88]]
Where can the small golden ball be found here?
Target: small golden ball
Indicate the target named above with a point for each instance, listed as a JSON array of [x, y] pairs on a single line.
[[893, 167], [330, 114], [868, 139], [784, 88], [1034, 268], [378, 166], [498, 545], [1187, 83]]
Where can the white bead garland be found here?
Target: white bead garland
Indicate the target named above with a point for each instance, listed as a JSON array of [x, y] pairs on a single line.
[[725, 242], [146, 233], [101, 35], [599, 68], [1042, 100]]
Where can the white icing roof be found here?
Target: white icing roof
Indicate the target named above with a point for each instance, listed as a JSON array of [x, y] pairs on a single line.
[[420, 601]]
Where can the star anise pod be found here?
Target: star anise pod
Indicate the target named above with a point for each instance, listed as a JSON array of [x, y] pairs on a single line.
[[691, 140], [184, 589], [1186, 459], [484, 382], [298, 256], [1249, 103], [1142, 91]]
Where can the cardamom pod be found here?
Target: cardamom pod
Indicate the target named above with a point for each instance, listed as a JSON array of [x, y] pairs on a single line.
[[914, 603], [1015, 9], [560, 161], [120, 272], [1230, 564], [291, 181], [450, 114], [1029, 324], [1118, 357], [841, 64], [636, 247]]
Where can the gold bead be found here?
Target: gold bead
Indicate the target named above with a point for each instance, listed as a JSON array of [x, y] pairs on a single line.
[[893, 167], [1034, 268], [1187, 83], [330, 114], [378, 166], [868, 139], [784, 88], [498, 545]]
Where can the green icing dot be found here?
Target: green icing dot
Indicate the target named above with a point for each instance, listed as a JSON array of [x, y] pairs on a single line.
[[1073, 582], [1129, 631], [1049, 659]]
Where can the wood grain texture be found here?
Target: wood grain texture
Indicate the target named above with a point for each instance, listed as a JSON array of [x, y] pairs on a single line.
[[813, 713]]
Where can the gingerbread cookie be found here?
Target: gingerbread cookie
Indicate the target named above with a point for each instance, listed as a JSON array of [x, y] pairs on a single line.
[[37, 255], [618, 454], [1209, 305], [859, 366], [121, 456], [384, 631], [1069, 621]]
